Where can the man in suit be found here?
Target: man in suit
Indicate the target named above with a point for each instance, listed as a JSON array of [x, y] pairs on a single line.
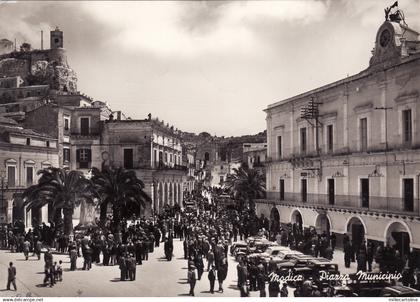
[[11, 276]]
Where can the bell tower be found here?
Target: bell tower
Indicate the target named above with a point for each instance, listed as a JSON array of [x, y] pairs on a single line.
[[56, 38]]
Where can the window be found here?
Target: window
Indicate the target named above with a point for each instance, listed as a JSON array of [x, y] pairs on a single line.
[[330, 138], [28, 141], [408, 191], [170, 158], [83, 157], [66, 155], [279, 147], [166, 157], [331, 191], [66, 123], [160, 157], [84, 125], [29, 176], [304, 190], [363, 134], [206, 156], [303, 140], [281, 189], [128, 158], [407, 126], [47, 143], [155, 159], [11, 176], [364, 192]]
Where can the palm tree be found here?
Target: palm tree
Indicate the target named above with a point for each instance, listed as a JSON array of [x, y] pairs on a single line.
[[246, 185], [121, 189], [63, 190]]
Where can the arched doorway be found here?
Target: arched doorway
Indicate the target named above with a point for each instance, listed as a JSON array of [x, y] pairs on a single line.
[[356, 231], [296, 219], [398, 236], [322, 224], [274, 220]]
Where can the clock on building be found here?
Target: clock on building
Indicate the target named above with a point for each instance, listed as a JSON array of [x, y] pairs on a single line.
[[385, 38]]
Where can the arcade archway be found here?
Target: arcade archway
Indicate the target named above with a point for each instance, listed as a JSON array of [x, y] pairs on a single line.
[[297, 219], [398, 235], [356, 231], [322, 224]]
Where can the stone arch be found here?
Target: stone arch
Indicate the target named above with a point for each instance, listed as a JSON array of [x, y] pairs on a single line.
[[323, 223], [398, 234], [297, 217], [356, 228]]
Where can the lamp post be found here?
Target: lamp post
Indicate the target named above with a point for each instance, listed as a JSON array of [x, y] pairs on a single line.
[[4, 187]]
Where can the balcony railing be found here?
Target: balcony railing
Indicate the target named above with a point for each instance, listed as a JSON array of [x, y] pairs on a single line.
[[389, 205], [290, 154]]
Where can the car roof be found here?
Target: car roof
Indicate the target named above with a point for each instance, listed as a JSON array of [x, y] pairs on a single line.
[[401, 289]]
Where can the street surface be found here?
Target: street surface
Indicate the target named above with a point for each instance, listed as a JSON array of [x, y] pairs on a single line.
[[155, 278]]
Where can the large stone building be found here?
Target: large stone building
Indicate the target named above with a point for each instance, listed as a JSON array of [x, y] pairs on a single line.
[[22, 153], [344, 157], [154, 151], [39, 97]]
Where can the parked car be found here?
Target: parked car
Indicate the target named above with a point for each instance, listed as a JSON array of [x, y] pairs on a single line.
[[399, 291]]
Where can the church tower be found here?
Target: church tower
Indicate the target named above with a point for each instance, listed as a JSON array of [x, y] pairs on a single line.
[[56, 38]]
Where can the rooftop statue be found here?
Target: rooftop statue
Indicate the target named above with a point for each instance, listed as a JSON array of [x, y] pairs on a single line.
[[397, 16]]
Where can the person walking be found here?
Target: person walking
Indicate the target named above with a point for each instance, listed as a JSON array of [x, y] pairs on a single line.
[[38, 248], [192, 279], [26, 247], [11, 276], [210, 259], [199, 264], [222, 273], [212, 278], [123, 268]]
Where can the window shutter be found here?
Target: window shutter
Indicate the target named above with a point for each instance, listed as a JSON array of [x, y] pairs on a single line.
[[78, 155]]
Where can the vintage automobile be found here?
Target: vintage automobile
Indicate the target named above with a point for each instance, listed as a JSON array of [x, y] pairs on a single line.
[[237, 245], [399, 291], [269, 252]]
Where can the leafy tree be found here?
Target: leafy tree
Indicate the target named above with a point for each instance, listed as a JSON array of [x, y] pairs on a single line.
[[246, 185], [63, 190], [121, 189]]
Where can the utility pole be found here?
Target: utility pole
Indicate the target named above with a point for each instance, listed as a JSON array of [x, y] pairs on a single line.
[[310, 113]]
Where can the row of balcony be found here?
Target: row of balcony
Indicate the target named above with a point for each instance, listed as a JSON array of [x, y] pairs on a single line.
[[391, 205], [297, 153]]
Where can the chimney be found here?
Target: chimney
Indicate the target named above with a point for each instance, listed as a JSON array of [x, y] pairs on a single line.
[[118, 115]]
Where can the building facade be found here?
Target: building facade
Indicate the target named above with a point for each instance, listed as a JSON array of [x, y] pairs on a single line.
[[344, 157], [22, 153], [154, 151]]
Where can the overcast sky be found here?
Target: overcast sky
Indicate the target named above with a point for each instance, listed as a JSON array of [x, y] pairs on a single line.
[[205, 66]]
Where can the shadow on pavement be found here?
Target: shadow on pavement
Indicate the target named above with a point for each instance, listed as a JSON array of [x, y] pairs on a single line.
[[183, 294], [233, 287], [116, 280]]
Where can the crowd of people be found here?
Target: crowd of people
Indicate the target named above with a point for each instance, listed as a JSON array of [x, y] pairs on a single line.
[[206, 230]]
